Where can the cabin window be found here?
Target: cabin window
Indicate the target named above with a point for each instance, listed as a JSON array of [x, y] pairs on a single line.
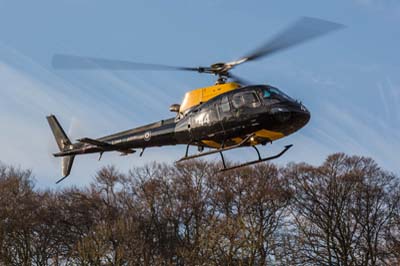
[[224, 106], [266, 94], [248, 99]]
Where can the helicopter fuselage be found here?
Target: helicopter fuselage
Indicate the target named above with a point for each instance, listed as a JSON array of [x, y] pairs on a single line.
[[225, 120]]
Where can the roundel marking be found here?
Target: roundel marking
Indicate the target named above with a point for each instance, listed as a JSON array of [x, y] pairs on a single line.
[[147, 136]]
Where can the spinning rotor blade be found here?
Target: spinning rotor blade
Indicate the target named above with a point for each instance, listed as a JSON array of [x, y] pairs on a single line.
[[239, 80], [301, 31], [64, 61]]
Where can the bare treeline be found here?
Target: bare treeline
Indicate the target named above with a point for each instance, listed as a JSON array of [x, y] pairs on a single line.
[[344, 212]]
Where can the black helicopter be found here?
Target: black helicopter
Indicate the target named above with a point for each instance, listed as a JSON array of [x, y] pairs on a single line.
[[222, 117]]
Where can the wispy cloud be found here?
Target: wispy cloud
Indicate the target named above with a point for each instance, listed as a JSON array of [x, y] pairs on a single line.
[[357, 115], [31, 92], [357, 129]]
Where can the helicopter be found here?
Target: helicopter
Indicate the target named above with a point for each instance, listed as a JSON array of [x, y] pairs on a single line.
[[228, 115]]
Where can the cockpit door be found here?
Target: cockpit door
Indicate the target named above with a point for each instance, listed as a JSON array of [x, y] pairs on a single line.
[[204, 122]]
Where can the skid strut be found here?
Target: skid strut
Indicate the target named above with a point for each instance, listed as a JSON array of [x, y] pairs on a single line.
[[220, 150]]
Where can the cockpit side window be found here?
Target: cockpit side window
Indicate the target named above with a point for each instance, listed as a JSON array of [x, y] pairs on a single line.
[[224, 105], [275, 91], [247, 99], [266, 94]]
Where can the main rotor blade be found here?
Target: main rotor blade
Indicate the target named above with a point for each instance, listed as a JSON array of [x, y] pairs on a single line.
[[238, 79], [64, 61], [301, 31]]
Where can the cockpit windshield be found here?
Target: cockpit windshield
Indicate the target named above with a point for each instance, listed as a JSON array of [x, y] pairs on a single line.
[[272, 91]]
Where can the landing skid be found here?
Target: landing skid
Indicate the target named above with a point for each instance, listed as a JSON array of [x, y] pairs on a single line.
[[223, 149], [287, 147]]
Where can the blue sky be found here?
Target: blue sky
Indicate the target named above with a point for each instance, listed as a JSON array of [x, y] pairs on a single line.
[[349, 79]]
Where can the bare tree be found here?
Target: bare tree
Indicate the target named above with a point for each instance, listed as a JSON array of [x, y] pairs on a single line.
[[341, 211], [344, 212], [17, 206], [251, 205]]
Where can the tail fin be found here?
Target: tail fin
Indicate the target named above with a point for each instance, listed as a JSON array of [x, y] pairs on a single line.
[[63, 143]]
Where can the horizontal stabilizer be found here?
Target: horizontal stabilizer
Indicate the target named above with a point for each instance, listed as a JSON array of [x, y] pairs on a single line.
[[106, 146], [98, 143]]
